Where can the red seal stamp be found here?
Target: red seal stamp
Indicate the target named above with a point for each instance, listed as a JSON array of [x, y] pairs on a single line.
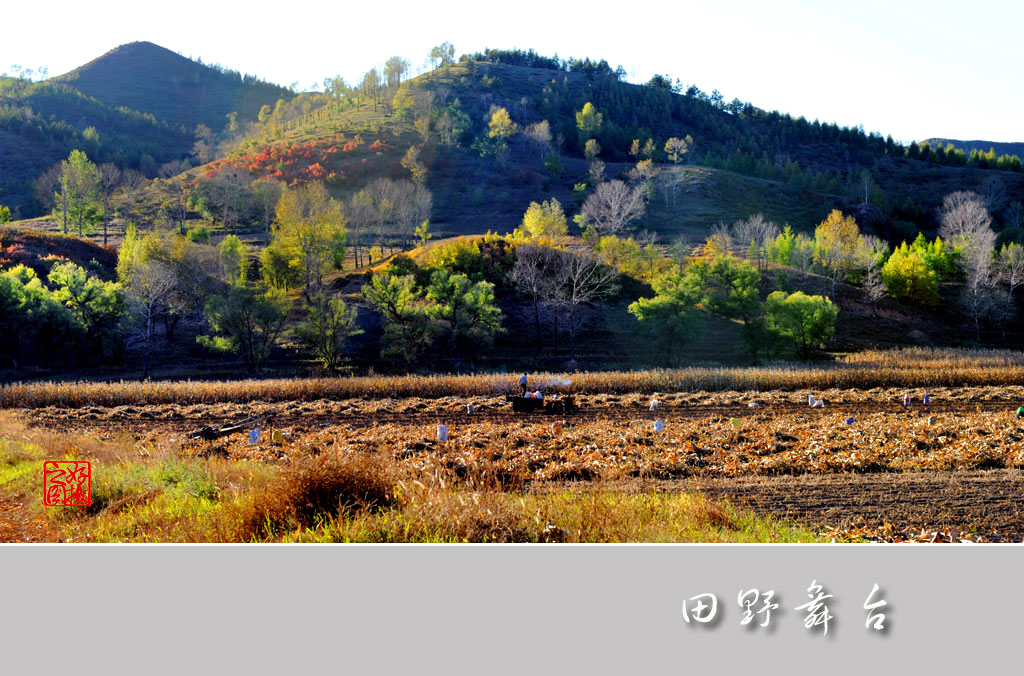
[[67, 483]]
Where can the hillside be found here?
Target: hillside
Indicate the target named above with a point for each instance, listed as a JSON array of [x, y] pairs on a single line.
[[742, 160], [151, 79], [136, 106]]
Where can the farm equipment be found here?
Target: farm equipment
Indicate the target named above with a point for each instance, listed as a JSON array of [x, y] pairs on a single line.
[[521, 404], [210, 433]]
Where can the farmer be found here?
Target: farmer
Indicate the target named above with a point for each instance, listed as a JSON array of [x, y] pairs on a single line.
[[522, 384]]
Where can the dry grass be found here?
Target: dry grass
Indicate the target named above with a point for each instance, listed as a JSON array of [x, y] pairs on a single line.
[[143, 493], [916, 367]]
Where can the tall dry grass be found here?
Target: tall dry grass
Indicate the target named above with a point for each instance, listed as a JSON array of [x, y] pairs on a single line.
[[916, 367]]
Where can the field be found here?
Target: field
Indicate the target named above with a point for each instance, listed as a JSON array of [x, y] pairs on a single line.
[[360, 459]]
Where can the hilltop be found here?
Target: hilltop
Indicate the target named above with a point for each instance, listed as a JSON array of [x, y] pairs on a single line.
[[136, 106], [172, 88]]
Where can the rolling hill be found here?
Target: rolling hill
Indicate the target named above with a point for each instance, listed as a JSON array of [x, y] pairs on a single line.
[[142, 101]]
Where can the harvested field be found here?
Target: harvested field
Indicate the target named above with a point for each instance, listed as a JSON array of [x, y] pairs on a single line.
[[864, 466]]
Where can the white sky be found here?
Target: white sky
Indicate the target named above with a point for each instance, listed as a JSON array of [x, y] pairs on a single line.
[[913, 69]]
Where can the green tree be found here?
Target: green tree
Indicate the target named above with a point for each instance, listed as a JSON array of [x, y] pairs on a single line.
[[588, 123], [730, 289], [77, 196], [408, 328], [591, 149], [248, 320], [553, 163], [545, 221], [467, 310], [280, 269], [311, 227], [5, 215], [97, 305], [806, 321], [329, 323], [234, 259], [671, 317], [423, 233], [908, 277]]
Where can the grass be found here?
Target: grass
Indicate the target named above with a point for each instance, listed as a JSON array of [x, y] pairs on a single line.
[[914, 367], [146, 493]]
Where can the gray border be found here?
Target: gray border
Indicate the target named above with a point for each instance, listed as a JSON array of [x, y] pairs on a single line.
[[493, 608]]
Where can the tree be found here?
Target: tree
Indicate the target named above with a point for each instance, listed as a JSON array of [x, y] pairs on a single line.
[[411, 161], [907, 277], [5, 215], [311, 225], [78, 192], [835, 241], [467, 309], [965, 221], [553, 163], [265, 195], [545, 221], [443, 53], [1011, 264], [280, 270], [671, 316], [612, 206], [533, 275], [408, 328], [756, 234], [203, 148], [501, 126], [729, 288], [149, 286], [588, 122], [234, 262], [581, 281], [329, 323], [96, 304], [591, 149], [395, 68], [677, 148], [807, 321], [540, 134], [249, 320]]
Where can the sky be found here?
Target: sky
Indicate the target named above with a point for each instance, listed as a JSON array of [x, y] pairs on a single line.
[[912, 69]]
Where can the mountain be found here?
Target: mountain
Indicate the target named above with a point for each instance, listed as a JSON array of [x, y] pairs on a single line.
[[981, 146], [136, 106], [151, 79]]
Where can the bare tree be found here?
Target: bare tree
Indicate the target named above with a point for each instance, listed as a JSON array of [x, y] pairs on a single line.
[[612, 206], [874, 288], [110, 180], [596, 171], [1011, 264], [540, 134], [582, 281], [1014, 216], [993, 193], [148, 290], [413, 204], [756, 233], [361, 217], [45, 187], [962, 214], [265, 194], [532, 274]]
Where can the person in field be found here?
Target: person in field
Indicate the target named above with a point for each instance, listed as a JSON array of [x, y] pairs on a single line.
[[522, 383]]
